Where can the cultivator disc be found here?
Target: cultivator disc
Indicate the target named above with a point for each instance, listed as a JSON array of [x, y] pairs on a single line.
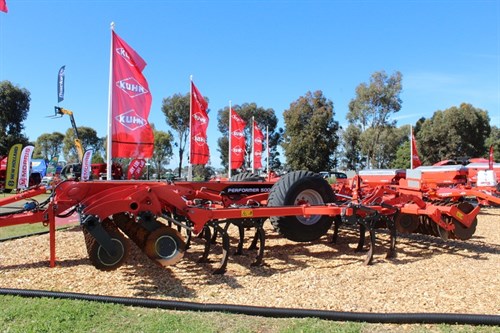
[[427, 226], [460, 231], [161, 243], [99, 257], [406, 223]]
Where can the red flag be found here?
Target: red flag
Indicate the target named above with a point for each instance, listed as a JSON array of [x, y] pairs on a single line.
[[3, 6], [132, 135], [200, 152], [414, 153], [135, 168], [238, 143], [491, 160], [258, 138]]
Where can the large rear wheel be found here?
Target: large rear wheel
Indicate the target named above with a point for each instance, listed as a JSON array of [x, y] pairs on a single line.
[[298, 188]]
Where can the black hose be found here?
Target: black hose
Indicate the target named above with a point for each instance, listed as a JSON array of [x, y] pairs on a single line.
[[389, 318]]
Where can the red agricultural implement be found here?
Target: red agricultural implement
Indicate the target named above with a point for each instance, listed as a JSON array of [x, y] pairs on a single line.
[[301, 206]]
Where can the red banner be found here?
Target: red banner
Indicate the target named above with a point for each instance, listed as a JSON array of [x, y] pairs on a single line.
[[414, 153], [238, 142], [132, 135], [135, 168], [200, 152], [3, 6], [258, 139]]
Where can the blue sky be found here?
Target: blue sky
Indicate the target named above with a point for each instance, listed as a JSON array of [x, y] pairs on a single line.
[[267, 52]]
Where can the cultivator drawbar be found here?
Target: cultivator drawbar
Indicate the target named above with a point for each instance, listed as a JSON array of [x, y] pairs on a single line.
[[161, 217]]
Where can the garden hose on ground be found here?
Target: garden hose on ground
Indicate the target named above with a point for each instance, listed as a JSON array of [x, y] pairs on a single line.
[[385, 318]]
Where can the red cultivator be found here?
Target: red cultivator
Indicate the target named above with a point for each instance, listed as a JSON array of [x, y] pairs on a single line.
[[301, 206]]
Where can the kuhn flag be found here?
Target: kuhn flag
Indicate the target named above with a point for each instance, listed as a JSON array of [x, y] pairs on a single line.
[[135, 168], [3, 6], [25, 167], [258, 139], [60, 84], [132, 135], [200, 152], [237, 140], [415, 160]]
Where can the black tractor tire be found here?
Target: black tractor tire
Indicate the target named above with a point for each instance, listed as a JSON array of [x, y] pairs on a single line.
[[99, 257], [246, 177], [297, 188]]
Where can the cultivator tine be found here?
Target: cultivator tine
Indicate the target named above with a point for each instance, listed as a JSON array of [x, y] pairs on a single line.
[[391, 252], [207, 235], [253, 245], [225, 249], [369, 254], [261, 236], [241, 233], [362, 236], [337, 221]]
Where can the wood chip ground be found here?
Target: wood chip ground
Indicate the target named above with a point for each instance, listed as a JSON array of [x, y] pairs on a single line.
[[428, 275]]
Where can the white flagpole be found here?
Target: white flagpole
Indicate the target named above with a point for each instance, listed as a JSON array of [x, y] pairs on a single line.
[[190, 166], [229, 151], [110, 109], [267, 148], [253, 144], [411, 147]]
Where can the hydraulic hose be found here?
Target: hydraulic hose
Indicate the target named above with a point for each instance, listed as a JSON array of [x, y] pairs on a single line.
[[386, 318]]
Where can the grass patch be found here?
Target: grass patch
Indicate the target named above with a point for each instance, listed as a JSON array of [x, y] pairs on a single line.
[[22, 229], [55, 315]]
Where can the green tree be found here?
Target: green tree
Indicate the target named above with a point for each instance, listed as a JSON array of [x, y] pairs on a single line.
[[14, 108], [454, 133], [265, 118], [352, 159], [48, 145], [402, 159], [88, 137], [494, 140], [162, 151], [202, 172], [176, 110], [310, 138], [372, 109]]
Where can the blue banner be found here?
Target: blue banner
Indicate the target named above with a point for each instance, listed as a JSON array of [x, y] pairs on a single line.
[[60, 84]]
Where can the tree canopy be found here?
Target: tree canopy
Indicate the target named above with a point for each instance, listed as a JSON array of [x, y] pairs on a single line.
[[454, 133], [48, 145], [371, 111], [310, 137], [88, 137], [162, 151], [14, 108]]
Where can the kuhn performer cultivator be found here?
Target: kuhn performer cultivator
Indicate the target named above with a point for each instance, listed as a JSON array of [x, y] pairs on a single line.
[[161, 217]]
